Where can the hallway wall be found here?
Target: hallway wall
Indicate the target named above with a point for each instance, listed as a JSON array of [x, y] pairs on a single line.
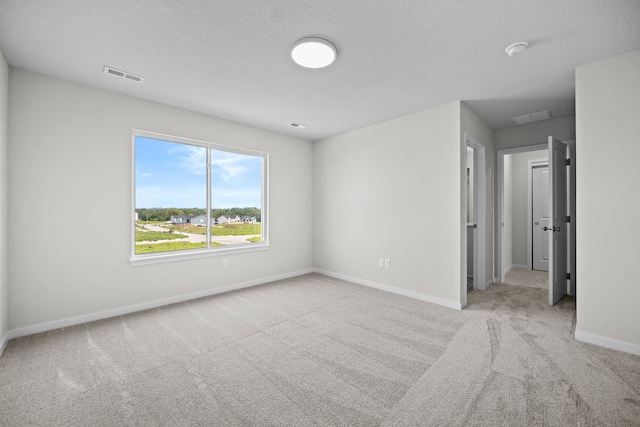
[[608, 271]]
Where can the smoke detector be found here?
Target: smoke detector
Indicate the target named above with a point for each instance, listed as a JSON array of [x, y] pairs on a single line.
[[516, 48]]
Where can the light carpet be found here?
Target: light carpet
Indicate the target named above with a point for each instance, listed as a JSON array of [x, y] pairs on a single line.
[[317, 351], [521, 277]]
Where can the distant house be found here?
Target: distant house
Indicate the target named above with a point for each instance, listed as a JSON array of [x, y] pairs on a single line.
[[201, 220], [176, 219], [191, 219], [181, 219], [224, 219], [248, 219]]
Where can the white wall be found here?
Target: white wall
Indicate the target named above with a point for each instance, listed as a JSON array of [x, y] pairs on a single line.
[[70, 202], [608, 271], [393, 190], [4, 307], [563, 128], [396, 190]]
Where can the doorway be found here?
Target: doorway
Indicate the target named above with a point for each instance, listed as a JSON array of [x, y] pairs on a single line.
[[561, 190], [538, 222], [475, 206], [518, 208]]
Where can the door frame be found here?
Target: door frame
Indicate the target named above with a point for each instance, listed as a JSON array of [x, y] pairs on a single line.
[[499, 224], [500, 216], [480, 217], [531, 165]]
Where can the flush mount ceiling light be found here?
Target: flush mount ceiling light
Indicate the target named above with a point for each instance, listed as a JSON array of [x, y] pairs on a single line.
[[516, 48], [313, 52]]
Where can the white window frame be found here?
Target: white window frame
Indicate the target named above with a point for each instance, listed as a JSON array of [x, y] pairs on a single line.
[[161, 257]]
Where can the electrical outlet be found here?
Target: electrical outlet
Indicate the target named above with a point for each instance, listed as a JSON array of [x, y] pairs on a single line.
[[381, 262], [387, 263], [225, 263]]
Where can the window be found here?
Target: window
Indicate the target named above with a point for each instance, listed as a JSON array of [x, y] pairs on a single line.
[[194, 198]]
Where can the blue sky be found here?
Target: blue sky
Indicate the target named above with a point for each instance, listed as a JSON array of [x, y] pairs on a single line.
[[172, 175]]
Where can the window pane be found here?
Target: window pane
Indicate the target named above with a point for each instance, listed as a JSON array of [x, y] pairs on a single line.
[[236, 198], [170, 194]]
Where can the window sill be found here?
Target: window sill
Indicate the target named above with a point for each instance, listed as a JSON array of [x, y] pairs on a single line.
[[163, 257]]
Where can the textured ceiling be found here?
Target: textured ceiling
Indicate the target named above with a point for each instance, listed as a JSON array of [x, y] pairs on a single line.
[[231, 58]]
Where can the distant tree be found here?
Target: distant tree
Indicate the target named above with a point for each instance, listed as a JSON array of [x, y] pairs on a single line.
[[253, 212], [164, 214]]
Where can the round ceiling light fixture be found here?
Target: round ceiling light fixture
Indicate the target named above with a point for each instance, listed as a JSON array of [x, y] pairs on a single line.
[[313, 52], [516, 48]]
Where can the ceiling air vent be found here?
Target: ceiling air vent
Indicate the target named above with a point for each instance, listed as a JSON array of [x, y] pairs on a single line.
[[533, 117], [123, 74]]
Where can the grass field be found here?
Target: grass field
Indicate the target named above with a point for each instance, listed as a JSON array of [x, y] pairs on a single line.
[[236, 229], [170, 246], [221, 229], [143, 223], [152, 236], [174, 233]]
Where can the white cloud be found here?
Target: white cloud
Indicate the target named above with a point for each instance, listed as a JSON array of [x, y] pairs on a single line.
[[228, 165], [191, 158]]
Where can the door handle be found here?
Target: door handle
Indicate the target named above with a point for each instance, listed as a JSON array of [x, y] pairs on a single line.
[[546, 228], [556, 229]]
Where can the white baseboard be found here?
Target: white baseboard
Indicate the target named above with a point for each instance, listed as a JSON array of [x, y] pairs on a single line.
[[3, 343], [608, 342], [72, 321], [516, 267], [489, 283], [392, 289]]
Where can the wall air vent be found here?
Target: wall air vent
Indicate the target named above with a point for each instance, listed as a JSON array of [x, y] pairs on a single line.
[[533, 117], [123, 74]]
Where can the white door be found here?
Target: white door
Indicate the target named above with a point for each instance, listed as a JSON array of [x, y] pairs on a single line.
[[558, 242], [572, 212], [540, 217]]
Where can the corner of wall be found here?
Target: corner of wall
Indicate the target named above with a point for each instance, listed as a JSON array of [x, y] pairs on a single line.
[[368, 168], [4, 303]]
